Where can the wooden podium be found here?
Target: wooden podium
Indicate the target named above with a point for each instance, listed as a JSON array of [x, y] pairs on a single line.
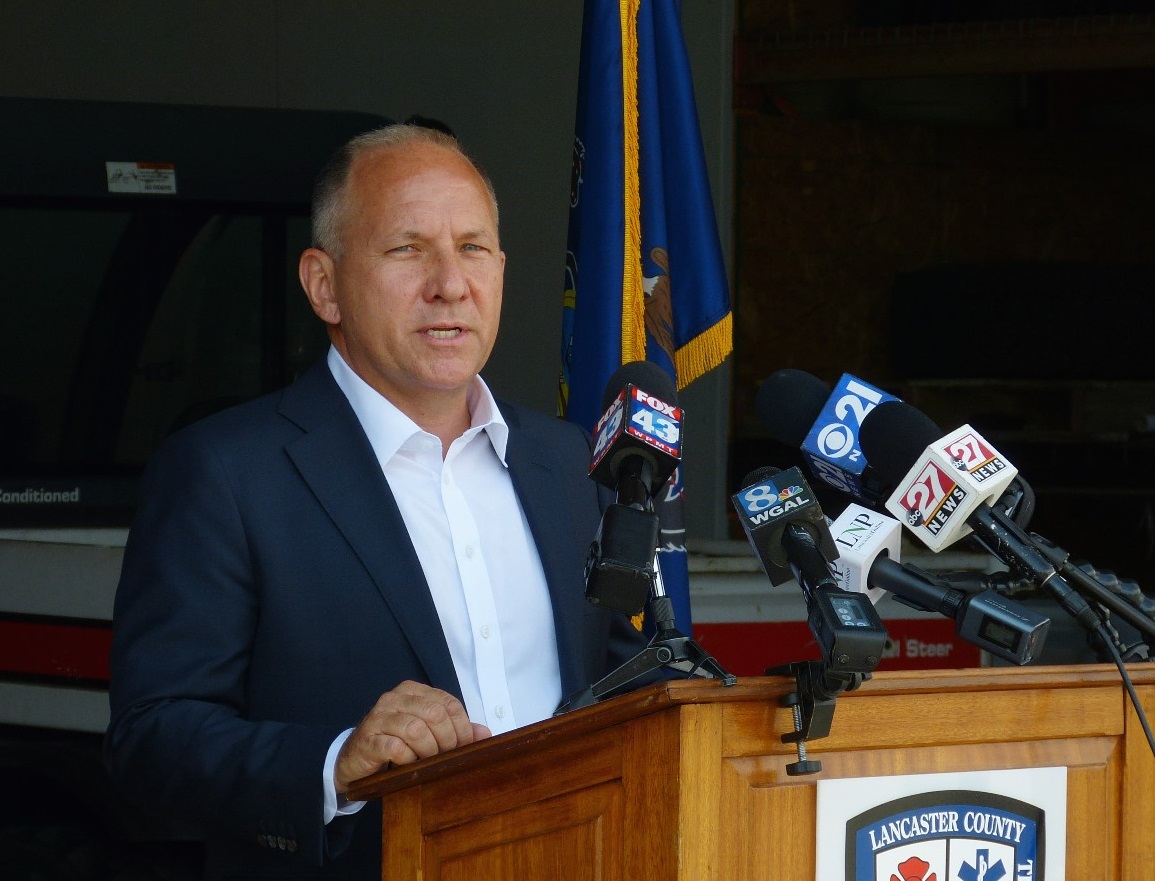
[[686, 779]]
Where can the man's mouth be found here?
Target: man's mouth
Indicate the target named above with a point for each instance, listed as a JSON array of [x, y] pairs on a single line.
[[443, 333]]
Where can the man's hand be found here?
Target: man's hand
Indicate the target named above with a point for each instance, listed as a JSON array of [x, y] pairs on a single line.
[[411, 722]]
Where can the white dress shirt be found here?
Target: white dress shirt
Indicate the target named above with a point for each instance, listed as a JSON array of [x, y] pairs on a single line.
[[477, 553]]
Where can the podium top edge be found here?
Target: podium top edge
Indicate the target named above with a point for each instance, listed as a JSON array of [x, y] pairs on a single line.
[[681, 692]]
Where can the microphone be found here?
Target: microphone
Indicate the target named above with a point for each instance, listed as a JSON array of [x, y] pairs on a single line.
[[637, 447], [787, 403], [863, 537], [799, 410], [952, 479], [947, 493], [788, 532], [869, 545], [637, 440]]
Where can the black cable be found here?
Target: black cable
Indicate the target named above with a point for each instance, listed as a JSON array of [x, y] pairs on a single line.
[[1131, 691]]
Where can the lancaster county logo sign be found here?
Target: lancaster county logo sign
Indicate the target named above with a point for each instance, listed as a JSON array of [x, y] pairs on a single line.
[[949, 835]]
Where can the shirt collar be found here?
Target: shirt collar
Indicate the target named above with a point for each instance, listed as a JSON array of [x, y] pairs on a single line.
[[388, 428]]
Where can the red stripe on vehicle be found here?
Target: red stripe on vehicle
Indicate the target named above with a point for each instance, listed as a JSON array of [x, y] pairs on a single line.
[[36, 647], [748, 648]]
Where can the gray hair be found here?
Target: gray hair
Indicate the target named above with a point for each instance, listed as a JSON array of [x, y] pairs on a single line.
[[330, 191]]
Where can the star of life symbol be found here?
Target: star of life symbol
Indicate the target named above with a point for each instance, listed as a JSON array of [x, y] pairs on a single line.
[[983, 869], [947, 836]]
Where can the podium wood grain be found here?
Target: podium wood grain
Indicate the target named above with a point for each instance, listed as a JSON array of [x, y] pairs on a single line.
[[687, 779]]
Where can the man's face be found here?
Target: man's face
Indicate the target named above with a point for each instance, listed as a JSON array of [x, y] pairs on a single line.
[[414, 298]]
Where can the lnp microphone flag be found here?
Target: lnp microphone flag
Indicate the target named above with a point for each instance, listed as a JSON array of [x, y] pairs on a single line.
[[645, 279]]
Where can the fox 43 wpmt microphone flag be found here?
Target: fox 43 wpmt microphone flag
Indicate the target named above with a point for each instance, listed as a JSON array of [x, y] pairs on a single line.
[[645, 278]]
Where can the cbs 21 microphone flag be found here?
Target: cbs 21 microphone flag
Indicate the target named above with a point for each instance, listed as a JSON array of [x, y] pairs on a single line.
[[645, 278]]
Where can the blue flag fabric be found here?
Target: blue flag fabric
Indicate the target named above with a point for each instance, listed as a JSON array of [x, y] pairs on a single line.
[[645, 278]]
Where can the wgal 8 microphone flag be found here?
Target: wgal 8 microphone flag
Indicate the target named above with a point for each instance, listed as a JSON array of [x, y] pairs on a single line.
[[645, 278]]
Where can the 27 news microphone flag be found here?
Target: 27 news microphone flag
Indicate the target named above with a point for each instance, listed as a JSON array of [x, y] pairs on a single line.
[[645, 279]]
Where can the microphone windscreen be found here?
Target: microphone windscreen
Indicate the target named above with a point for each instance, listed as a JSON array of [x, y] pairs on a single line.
[[892, 437], [760, 474], [647, 376], [787, 404]]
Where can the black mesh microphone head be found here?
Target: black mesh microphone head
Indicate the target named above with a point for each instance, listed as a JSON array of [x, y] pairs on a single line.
[[640, 461], [647, 376], [892, 437], [759, 474], [788, 403]]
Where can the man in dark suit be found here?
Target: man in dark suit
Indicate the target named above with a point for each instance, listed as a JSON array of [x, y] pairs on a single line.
[[378, 564]]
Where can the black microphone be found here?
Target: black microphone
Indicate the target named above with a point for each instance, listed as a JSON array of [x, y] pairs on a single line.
[[799, 410], [788, 532], [637, 448], [945, 487], [638, 439], [787, 403], [869, 561]]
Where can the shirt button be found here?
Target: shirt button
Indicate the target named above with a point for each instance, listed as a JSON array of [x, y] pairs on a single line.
[[485, 631], [469, 551], [499, 711]]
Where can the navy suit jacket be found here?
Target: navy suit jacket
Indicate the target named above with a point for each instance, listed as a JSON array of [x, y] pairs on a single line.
[[270, 594]]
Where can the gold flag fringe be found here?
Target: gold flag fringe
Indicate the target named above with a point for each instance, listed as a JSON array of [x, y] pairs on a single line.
[[705, 351]]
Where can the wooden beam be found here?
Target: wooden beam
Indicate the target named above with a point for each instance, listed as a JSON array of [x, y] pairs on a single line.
[[1029, 45]]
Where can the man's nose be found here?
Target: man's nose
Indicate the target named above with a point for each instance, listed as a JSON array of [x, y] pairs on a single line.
[[450, 281]]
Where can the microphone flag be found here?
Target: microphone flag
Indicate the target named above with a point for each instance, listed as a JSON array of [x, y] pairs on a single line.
[[862, 535], [644, 274], [831, 448], [953, 477]]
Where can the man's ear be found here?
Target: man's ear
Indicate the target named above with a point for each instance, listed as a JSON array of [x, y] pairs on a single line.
[[316, 271]]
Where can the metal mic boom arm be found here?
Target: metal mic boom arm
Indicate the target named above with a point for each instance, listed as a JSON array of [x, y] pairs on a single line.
[[1136, 610], [1007, 541]]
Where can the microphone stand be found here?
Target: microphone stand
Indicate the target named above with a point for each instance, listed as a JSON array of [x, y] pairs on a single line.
[[1127, 601], [668, 649], [1037, 557], [851, 640]]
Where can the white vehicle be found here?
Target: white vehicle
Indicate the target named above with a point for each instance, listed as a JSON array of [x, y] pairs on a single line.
[[151, 279]]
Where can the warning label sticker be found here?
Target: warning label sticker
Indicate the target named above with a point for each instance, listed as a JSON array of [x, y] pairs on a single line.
[[150, 178]]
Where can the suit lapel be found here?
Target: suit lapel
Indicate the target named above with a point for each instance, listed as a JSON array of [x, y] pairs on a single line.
[[335, 459], [534, 472]]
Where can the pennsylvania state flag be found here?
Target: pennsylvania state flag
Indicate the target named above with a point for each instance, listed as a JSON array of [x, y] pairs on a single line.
[[645, 279]]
